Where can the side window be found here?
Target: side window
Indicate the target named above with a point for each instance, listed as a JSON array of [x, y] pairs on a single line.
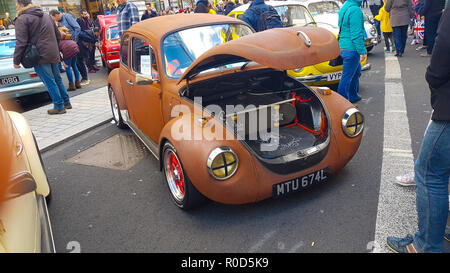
[[124, 50], [143, 60]]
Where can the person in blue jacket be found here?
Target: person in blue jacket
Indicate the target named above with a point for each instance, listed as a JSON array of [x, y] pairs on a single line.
[[353, 50], [250, 17]]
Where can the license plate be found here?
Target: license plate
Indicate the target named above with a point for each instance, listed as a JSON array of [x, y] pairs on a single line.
[[301, 183], [9, 80], [334, 76]]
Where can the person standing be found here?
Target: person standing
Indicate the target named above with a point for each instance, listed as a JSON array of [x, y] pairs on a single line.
[[34, 26], [383, 18], [353, 50], [432, 10], [127, 15], [87, 51], [261, 16], [401, 13], [150, 12], [432, 167]]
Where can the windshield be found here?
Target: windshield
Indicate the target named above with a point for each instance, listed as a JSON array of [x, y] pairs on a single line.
[[323, 8], [7, 48], [112, 33], [183, 47], [294, 15]]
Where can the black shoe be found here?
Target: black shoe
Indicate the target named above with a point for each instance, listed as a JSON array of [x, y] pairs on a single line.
[[68, 106], [358, 99]]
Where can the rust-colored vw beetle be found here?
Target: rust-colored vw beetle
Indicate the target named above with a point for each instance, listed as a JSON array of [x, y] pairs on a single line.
[[212, 101]]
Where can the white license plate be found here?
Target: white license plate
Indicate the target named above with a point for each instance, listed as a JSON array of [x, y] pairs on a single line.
[[334, 76], [9, 80], [298, 184]]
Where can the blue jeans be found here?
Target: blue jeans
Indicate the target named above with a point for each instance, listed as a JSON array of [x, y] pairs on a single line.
[[72, 64], [349, 84], [432, 172], [400, 36], [51, 77]]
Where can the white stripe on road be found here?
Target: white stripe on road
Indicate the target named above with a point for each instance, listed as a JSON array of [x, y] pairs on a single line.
[[396, 215]]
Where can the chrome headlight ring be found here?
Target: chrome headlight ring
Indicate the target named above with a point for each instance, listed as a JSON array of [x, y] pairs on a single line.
[[222, 163], [352, 122]]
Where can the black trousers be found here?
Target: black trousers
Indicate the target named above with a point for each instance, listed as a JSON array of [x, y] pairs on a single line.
[[388, 39]]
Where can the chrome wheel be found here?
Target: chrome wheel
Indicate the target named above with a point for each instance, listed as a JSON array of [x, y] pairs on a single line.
[[115, 107], [174, 175]]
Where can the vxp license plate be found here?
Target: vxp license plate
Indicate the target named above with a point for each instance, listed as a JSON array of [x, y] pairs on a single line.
[[298, 184], [9, 80], [334, 76]]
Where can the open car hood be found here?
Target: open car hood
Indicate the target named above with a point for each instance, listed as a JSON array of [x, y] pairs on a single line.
[[279, 48]]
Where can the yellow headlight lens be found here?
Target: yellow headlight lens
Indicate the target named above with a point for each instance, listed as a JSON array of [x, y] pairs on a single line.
[[222, 163]]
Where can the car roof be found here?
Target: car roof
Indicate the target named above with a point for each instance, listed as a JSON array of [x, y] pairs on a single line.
[[158, 27], [272, 3], [9, 34]]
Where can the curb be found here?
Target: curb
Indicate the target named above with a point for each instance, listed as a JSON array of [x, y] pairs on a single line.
[[53, 145]]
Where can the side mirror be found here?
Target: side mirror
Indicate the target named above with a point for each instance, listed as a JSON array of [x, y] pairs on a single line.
[[142, 79]]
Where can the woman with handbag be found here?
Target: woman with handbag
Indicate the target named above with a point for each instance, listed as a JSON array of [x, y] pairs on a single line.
[[37, 39]]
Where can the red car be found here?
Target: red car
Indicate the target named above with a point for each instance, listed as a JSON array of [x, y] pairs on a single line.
[[109, 45]]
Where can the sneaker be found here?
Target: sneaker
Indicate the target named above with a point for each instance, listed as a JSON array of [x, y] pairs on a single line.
[[405, 180], [68, 106], [425, 55], [84, 82], [387, 50], [401, 245], [56, 111], [92, 71], [421, 47]]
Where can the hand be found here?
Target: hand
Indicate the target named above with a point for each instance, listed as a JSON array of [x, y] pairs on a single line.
[[65, 65], [362, 58], [17, 66]]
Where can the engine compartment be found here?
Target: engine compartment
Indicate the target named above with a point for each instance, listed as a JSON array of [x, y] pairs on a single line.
[[274, 115]]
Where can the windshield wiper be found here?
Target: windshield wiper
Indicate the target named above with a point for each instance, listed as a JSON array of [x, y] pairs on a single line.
[[245, 65]]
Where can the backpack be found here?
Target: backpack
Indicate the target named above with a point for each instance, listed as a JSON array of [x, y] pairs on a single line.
[[69, 49], [267, 19]]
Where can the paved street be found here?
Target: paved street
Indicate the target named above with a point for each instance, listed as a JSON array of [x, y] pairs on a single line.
[[102, 205]]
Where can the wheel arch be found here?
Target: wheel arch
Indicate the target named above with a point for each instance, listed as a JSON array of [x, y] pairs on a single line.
[[114, 84]]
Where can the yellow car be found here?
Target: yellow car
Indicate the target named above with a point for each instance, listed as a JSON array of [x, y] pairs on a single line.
[[294, 13], [24, 190]]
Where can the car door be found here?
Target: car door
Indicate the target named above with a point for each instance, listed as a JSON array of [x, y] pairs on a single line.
[[146, 88], [126, 78]]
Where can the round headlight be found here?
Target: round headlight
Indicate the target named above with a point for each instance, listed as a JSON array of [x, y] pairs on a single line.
[[353, 122], [222, 163]]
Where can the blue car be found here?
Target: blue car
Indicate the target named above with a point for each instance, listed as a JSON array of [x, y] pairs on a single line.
[[14, 82]]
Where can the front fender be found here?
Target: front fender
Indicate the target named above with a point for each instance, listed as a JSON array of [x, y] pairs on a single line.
[[32, 153], [194, 149], [337, 106], [114, 83]]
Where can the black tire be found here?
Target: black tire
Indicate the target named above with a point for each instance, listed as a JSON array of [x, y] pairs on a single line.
[[191, 197], [369, 48], [48, 198], [115, 109]]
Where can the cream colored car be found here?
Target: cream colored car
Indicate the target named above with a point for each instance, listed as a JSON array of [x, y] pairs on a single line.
[[24, 220]]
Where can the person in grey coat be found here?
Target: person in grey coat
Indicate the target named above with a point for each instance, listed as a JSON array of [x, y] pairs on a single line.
[[36, 27], [400, 14]]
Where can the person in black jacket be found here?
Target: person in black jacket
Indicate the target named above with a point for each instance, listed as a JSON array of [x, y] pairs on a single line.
[[432, 167], [432, 10], [201, 7], [229, 6], [150, 12]]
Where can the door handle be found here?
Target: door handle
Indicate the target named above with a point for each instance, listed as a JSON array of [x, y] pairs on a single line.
[[129, 82]]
